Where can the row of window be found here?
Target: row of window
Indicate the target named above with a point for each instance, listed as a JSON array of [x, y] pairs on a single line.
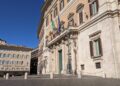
[[2, 62], [93, 6], [13, 56], [6, 68], [55, 12]]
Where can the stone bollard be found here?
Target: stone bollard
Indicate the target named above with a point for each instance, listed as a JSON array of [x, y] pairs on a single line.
[[13, 76], [7, 76], [26, 76], [4, 76], [104, 75], [51, 75], [79, 75]]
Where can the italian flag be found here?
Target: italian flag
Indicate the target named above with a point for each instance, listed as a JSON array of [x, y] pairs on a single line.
[[52, 24]]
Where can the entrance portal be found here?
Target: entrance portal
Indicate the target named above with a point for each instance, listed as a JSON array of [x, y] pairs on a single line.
[[33, 66], [60, 61]]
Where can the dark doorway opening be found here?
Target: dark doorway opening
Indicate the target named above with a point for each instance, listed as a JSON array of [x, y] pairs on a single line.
[[33, 66]]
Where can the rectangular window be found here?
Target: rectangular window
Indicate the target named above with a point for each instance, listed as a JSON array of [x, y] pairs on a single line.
[[118, 1], [82, 67], [94, 6], [55, 11], [98, 65], [51, 16], [68, 0], [61, 4], [96, 48], [81, 17]]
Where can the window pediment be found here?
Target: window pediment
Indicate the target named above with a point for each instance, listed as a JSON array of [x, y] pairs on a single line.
[[70, 15], [79, 7]]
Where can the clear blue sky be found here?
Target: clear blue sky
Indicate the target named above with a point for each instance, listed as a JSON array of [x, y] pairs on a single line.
[[19, 20]]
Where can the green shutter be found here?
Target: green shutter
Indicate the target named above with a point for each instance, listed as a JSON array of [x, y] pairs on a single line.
[[60, 61], [91, 49]]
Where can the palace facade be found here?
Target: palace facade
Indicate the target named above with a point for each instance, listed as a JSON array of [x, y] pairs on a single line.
[[80, 36], [14, 60]]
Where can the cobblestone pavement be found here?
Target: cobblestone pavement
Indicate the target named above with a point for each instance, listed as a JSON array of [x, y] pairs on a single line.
[[37, 81]]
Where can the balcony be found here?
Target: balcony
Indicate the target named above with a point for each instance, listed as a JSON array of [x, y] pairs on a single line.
[[55, 37]]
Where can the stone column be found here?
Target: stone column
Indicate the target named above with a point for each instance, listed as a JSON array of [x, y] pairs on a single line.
[[57, 59], [55, 69], [63, 56], [26, 75], [38, 68], [73, 56]]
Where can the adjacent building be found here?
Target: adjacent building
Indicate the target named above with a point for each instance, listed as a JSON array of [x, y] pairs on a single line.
[[80, 36], [14, 60]]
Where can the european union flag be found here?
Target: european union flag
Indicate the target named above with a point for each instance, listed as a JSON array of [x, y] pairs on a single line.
[[59, 25]]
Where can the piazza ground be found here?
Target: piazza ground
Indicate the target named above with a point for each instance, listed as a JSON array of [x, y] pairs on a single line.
[[72, 81]]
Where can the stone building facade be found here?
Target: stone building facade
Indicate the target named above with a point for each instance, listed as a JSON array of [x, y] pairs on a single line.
[[14, 60], [81, 36]]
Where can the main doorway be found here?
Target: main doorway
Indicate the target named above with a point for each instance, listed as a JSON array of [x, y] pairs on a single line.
[[60, 61], [33, 66]]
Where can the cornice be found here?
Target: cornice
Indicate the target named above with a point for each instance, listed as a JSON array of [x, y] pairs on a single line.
[[102, 16]]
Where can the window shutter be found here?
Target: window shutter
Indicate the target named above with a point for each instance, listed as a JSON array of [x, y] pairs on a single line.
[[91, 49], [90, 7], [100, 47], [97, 5]]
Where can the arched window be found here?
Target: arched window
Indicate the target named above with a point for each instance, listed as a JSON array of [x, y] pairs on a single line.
[[79, 10]]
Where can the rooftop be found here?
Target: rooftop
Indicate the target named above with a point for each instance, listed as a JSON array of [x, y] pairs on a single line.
[[2, 40], [14, 47]]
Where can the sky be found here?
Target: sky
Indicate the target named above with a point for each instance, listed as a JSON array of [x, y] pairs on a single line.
[[19, 20]]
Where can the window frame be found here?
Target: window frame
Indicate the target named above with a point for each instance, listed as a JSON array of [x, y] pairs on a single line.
[[82, 67], [98, 65], [71, 21], [55, 11], [62, 4], [91, 3], [93, 38], [81, 21]]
